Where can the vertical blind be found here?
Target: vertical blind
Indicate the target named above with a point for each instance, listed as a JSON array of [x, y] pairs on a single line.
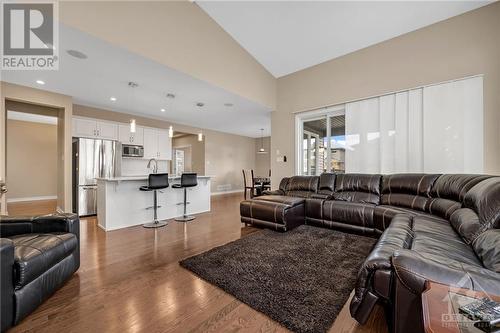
[[435, 129]]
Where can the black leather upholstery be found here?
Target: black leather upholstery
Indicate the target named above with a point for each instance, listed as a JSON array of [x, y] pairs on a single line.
[[156, 181], [39, 254], [444, 228], [358, 188], [187, 180], [276, 212], [36, 253]]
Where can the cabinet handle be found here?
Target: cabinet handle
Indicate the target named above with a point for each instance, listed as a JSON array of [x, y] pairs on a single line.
[[95, 132]]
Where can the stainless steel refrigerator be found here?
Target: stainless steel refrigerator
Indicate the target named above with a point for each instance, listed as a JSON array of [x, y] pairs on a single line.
[[92, 159]]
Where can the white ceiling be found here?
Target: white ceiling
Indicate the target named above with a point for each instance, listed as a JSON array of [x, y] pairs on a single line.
[[287, 36], [107, 71]]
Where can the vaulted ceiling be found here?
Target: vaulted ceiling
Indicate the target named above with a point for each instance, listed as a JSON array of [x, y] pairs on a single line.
[[287, 36]]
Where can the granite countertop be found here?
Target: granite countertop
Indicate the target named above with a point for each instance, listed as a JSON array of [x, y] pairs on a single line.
[[140, 177]]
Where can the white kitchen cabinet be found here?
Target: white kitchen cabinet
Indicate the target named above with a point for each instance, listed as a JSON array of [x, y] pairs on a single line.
[[91, 128], [107, 130], [129, 138], [164, 145], [150, 143], [84, 127], [157, 144]]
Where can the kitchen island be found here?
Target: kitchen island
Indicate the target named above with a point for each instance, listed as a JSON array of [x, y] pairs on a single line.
[[121, 204]]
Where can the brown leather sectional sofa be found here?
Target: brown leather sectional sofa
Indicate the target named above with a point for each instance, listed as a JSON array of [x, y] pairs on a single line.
[[444, 228]]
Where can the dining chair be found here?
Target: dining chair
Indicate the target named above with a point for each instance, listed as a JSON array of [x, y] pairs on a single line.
[[248, 181]]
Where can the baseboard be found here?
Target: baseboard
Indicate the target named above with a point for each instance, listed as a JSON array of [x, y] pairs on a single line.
[[47, 197], [226, 192]]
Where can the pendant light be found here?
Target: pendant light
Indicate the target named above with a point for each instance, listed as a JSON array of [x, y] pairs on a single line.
[[170, 132], [200, 136], [261, 149], [132, 126]]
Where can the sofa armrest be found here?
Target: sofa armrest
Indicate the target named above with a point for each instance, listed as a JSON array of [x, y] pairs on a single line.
[[6, 283], [15, 225], [413, 270]]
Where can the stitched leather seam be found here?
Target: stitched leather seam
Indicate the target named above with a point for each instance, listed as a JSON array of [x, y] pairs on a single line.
[[402, 281], [419, 183]]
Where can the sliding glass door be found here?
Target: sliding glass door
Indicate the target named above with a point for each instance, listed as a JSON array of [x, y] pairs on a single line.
[[322, 144]]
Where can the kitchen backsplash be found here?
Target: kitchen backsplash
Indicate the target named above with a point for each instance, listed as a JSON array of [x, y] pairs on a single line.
[[136, 167]]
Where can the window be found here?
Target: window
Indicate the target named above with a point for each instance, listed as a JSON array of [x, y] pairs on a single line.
[[321, 147], [178, 161]]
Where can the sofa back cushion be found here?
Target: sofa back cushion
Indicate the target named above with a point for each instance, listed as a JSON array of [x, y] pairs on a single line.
[[354, 187], [283, 184], [409, 190], [487, 248], [484, 199], [326, 183], [448, 192], [302, 186], [481, 210]]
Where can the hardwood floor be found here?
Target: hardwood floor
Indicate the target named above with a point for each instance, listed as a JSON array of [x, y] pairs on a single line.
[[130, 281]]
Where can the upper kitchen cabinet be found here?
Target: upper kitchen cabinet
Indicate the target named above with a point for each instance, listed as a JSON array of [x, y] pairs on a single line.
[[157, 144], [129, 138], [164, 145], [91, 128]]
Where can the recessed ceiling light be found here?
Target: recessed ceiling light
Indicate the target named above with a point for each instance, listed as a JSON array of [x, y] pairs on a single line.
[[228, 104], [77, 54], [112, 99], [199, 104], [40, 82], [170, 95], [162, 110]]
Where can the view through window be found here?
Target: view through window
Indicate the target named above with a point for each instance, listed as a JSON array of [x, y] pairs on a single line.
[[323, 144]]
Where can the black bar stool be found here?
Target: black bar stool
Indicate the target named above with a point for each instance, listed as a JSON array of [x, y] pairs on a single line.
[[187, 180], [156, 181]]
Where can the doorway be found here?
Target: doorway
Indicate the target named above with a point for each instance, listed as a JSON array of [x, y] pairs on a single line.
[[322, 142], [31, 133], [188, 154]]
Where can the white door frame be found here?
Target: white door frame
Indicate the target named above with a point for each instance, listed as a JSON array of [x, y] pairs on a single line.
[[300, 118]]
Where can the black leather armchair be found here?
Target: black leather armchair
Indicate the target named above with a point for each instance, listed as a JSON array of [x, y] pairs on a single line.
[[38, 255]]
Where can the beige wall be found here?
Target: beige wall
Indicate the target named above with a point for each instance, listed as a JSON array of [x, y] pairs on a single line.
[[177, 34], [458, 47], [31, 159], [64, 104], [262, 161], [195, 162], [225, 154]]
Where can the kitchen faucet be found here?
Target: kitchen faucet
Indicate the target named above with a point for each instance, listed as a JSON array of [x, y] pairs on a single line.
[[155, 167]]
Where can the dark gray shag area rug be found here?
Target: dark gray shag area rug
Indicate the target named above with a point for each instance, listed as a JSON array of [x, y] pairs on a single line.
[[301, 278]]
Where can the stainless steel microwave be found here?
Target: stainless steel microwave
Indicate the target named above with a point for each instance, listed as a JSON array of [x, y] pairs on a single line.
[[132, 151]]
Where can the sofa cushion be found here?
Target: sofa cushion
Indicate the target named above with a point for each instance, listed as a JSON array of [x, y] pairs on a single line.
[[466, 223], [484, 199], [487, 248], [303, 183], [36, 253], [353, 213], [436, 240], [326, 184], [407, 190], [448, 193], [286, 200], [383, 215], [362, 188]]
